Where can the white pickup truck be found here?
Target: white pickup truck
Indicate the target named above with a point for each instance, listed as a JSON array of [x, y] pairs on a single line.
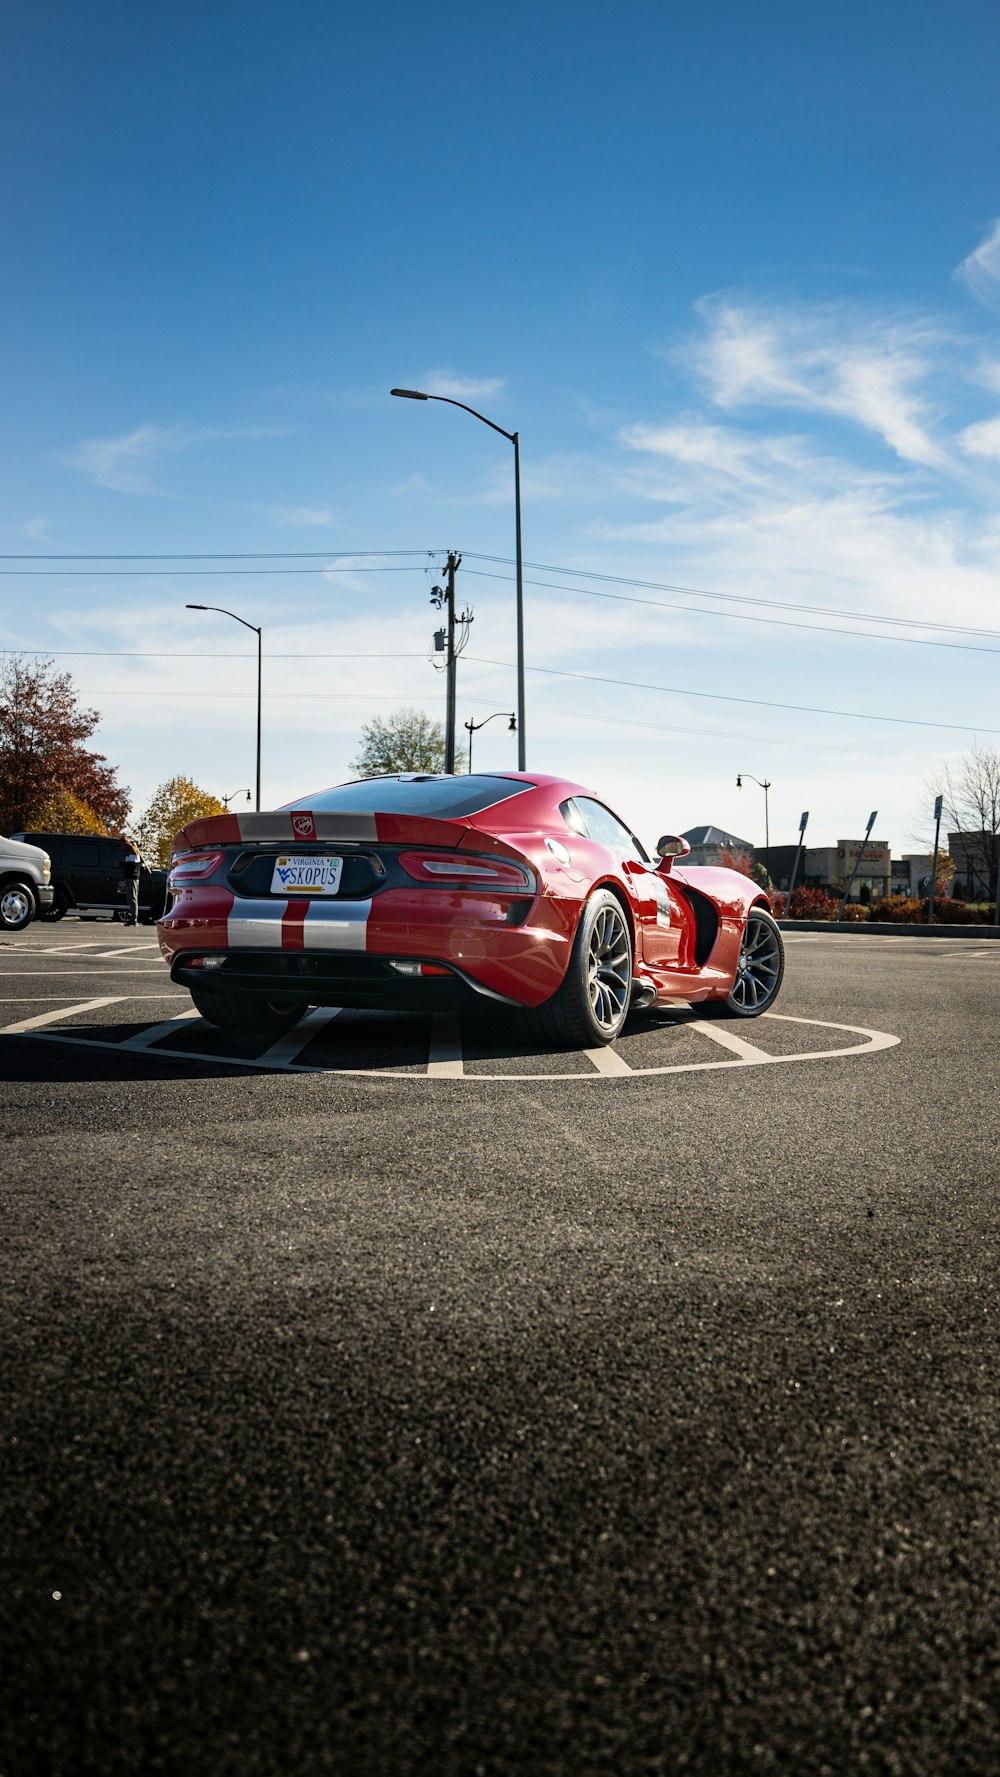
[[25, 883]]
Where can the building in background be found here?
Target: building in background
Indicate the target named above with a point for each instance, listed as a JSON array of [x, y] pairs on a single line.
[[830, 866], [708, 844], [911, 875], [972, 855]]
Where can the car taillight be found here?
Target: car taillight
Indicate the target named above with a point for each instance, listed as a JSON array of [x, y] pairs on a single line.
[[454, 872], [193, 867]]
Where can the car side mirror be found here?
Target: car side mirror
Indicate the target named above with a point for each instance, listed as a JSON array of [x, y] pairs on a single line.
[[668, 848]]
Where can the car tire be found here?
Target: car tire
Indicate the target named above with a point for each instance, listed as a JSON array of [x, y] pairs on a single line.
[[17, 906], [232, 1010], [59, 907], [761, 967], [591, 1006]]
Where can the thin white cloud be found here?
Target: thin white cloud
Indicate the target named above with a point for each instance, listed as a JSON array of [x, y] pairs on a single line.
[[982, 439], [126, 464], [37, 528], [715, 448], [980, 272], [318, 516], [461, 388], [822, 360]]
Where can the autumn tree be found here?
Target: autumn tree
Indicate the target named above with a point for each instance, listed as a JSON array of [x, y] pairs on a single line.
[[62, 812], [42, 730], [408, 741], [736, 860], [175, 803]]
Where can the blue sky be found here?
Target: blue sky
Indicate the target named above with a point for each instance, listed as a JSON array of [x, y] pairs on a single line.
[[735, 276]]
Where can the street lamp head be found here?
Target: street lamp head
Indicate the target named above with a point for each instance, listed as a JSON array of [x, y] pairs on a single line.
[[196, 607], [513, 725], [410, 394], [739, 780]]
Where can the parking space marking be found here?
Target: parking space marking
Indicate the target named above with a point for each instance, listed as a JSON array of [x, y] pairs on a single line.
[[747, 1052], [607, 1061], [169, 1027], [445, 1053], [444, 1060], [126, 950], [63, 1011], [300, 1036]]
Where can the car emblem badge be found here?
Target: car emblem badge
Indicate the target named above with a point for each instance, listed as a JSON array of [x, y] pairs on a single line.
[[303, 826]]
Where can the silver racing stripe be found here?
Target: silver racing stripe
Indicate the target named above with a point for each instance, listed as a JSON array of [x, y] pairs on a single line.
[[331, 925], [279, 824], [257, 924]]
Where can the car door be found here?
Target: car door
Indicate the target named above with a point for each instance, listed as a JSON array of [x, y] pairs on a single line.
[[114, 891], [658, 908], [82, 871]]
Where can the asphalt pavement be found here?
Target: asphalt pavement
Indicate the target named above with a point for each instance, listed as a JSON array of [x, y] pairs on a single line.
[[408, 1400]]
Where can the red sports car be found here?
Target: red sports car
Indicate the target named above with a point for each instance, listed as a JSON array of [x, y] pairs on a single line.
[[431, 892]]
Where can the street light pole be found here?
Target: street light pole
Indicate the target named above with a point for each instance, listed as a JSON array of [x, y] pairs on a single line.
[[474, 727], [257, 632], [765, 786], [513, 438]]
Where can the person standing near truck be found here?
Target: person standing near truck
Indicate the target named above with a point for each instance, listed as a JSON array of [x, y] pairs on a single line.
[[131, 864]]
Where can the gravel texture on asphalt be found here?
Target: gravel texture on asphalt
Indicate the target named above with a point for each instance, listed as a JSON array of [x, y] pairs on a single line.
[[561, 1427]]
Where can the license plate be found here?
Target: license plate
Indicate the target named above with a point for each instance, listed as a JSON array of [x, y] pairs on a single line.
[[306, 876]]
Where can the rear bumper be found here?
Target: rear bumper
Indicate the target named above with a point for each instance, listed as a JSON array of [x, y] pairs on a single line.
[[514, 950], [334, 980]]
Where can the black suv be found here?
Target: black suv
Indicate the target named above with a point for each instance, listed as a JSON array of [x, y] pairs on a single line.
[[87, 876]]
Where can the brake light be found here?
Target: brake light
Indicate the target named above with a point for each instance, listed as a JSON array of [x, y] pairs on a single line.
[[193, 867], [452, 872]]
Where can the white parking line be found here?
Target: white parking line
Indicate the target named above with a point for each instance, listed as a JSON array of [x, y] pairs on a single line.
[[301, 1034], [726, 1040], [444, 1060], [65, 949], [63, 1011], [168, 1028], [125, 950], [445, 1057], [607, 1061]]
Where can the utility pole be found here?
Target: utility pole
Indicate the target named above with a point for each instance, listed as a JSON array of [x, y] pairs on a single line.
[[445, 595]]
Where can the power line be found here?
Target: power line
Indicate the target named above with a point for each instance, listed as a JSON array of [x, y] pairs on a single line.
[[502, 560], [184, 573], [471, 555], [735, 597], [203, 654], [829, 629], [807, 709], [224, 555]]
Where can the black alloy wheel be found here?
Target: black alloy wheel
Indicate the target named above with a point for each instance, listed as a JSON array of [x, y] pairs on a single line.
[[232, 1010], [760, 968], [591, 1006]]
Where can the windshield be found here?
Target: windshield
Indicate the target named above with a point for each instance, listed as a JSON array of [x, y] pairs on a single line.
[[441, 797]]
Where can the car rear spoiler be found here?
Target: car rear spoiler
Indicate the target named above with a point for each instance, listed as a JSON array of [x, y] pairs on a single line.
[[291, 826]]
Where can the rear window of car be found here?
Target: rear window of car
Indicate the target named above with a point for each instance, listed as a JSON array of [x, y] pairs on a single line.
[[442, 797]]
